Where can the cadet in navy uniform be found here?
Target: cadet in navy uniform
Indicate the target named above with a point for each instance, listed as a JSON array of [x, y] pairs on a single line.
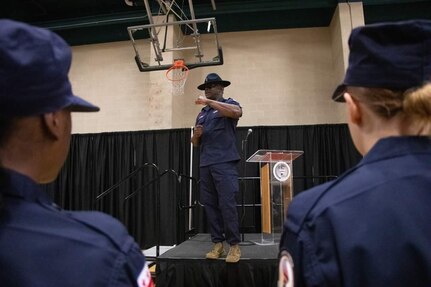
[[41, 244], [371, 226], [215, 134]]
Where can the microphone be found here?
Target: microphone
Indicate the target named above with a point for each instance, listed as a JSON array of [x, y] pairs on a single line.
[[248, 133]]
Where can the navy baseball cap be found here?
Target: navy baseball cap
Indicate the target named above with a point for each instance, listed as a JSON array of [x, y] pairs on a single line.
[[34, 67], [213, 78], [394, 56]]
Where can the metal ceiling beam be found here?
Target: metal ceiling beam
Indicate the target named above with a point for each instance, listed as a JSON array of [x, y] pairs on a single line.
[[232, 15]]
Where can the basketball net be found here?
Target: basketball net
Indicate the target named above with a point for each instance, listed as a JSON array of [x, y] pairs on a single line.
[[177, 74]]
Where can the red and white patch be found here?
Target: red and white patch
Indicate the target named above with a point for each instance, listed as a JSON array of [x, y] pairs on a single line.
[[144, 278]]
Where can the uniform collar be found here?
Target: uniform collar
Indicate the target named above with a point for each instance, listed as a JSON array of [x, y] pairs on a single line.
[[397, 146], [19, 185]]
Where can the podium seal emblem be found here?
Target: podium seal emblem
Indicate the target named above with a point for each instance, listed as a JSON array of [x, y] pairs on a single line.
[[281, 171]]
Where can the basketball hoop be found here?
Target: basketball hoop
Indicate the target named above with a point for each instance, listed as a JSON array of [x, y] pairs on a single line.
[[177, 74]]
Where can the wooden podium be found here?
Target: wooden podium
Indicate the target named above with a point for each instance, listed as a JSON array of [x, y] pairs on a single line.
[[276, 189]]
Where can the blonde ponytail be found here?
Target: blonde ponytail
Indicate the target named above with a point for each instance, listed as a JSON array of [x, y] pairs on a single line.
[[417, 106]]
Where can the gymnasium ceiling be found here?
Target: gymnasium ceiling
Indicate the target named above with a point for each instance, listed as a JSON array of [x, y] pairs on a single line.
[[96, 21]]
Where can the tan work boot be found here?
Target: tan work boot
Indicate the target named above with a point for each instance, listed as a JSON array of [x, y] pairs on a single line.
[[216, 252], [234, 254]]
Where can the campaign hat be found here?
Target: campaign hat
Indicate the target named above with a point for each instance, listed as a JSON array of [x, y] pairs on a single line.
[[213, 78]]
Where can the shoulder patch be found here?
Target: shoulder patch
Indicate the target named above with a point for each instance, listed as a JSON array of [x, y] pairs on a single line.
[[144, 278]]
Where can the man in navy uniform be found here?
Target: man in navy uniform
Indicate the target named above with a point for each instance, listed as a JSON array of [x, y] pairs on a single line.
[[215, 133], [40, 243], [371, 226]]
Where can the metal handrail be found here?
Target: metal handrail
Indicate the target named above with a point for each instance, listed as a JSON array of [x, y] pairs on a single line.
[[109, 190]]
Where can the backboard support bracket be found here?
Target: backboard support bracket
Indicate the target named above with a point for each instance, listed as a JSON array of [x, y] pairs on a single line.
[[190, 39]]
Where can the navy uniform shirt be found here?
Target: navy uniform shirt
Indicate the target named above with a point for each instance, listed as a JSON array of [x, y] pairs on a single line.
[[218, 140], [371, 226], [42, 245]]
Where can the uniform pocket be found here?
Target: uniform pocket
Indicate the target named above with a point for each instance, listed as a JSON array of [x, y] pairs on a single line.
[[219, 123]]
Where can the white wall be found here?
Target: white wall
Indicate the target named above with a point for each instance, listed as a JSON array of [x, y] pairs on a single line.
[[280, 77]]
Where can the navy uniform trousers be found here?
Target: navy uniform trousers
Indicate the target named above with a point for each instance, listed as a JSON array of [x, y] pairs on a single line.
[[218, 187]]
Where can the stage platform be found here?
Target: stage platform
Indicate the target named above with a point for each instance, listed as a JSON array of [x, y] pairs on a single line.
[[185, 265]]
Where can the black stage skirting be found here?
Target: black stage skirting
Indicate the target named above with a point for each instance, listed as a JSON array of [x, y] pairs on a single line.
[[185, 265]]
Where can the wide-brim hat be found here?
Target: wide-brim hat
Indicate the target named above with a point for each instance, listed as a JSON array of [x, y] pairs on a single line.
[[213, 78], [394, 56], [34, 67]]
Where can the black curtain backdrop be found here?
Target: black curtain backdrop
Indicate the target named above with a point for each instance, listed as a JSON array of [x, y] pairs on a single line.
[[129, 174]]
